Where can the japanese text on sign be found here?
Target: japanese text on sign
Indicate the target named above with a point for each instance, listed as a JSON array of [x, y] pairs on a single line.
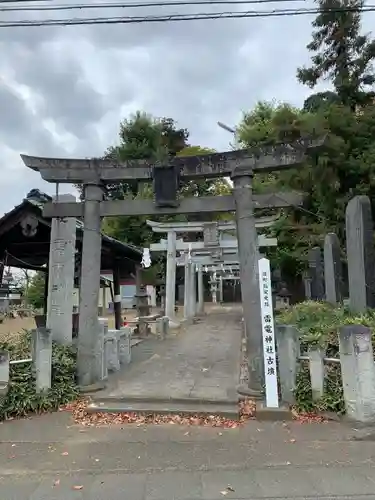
[[268, 334]]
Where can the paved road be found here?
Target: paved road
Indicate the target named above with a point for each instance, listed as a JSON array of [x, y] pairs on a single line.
[[200, 362], [47, 457]]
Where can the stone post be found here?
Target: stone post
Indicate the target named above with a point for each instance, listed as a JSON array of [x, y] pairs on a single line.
[[4, 373], [170, 291], [187, 287], [162, 326], [332, 269], [102, 370], [117, 306], [360, 254], [288, 351], [61, 276], [316, 274], [42, 358], [200, 290], [248, 257], [316, 367], [112, 350], [125, 353], [90, 285], [193, 292], [358, 372], [221, 291]]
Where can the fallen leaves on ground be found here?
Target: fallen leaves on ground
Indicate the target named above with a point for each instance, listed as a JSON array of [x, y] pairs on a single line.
[[81, 416], [308, 418]]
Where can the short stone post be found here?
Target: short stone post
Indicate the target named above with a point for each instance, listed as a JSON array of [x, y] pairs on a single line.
[[288, 351], [100, 354], [333, 269], [112, 351], [42, 358], [124, 345], [61, 276], [358, 372], [316, 366], [4, 373], [162, 327], [316, 274], [360, 254]]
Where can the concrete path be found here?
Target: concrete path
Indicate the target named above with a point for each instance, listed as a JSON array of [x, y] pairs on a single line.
[[48, 458], [202, 361]]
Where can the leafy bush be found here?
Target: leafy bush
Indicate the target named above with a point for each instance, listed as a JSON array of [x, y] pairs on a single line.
[[318, 324], [22, 398]]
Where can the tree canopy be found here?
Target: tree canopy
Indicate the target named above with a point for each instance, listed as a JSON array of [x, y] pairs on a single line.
[[341, 53]]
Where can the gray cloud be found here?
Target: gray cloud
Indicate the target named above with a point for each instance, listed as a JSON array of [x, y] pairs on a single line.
[[64, 90]]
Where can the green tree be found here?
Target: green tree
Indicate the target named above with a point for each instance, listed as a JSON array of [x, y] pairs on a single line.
[[344, 168], [36, 290], [341, 53]]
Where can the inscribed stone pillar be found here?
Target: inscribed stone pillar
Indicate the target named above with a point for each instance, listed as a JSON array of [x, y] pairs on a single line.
[[61, 276], [200, 290], [248, 257], [332, 269], [360, 254], [90, 284], [170, 290], [316, 273]]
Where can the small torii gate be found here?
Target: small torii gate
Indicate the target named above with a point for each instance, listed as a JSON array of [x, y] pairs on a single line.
[[213, 240], [240, 165], [227, 247]]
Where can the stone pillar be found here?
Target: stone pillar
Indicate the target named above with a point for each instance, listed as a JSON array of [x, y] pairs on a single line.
[[360, 254], [187, 297], [288, 351], [221, 294], [316, 366], [100, 354], [104, 300], [61, 276], [111, 346], [193, 291], [332, 269], [170, 289], [90, 284], [117, 295], [248, 257], [358, 372], [42, 358], [200, 290], [125, 353], [316, 274], [4, 373]]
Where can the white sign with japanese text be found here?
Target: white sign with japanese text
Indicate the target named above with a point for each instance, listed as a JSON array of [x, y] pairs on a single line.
[[268, 333]]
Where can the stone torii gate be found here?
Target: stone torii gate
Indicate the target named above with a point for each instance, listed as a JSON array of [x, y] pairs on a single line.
[[240, 165]]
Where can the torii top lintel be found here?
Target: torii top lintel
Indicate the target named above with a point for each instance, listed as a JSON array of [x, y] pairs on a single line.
[[96, 170]]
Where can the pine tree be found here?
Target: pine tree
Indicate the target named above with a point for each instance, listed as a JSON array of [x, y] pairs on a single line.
[[342, 54]]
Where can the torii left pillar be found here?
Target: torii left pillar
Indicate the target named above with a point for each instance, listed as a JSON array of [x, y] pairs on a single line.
[[89, 353], [170, 289]]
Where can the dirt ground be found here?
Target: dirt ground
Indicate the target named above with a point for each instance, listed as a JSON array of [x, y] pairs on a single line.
[[10, 329]]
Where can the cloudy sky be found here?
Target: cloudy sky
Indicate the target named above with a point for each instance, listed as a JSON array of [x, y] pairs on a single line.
[[64, 90]]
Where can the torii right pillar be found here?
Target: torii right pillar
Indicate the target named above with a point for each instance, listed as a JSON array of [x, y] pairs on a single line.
[[248, 257]]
